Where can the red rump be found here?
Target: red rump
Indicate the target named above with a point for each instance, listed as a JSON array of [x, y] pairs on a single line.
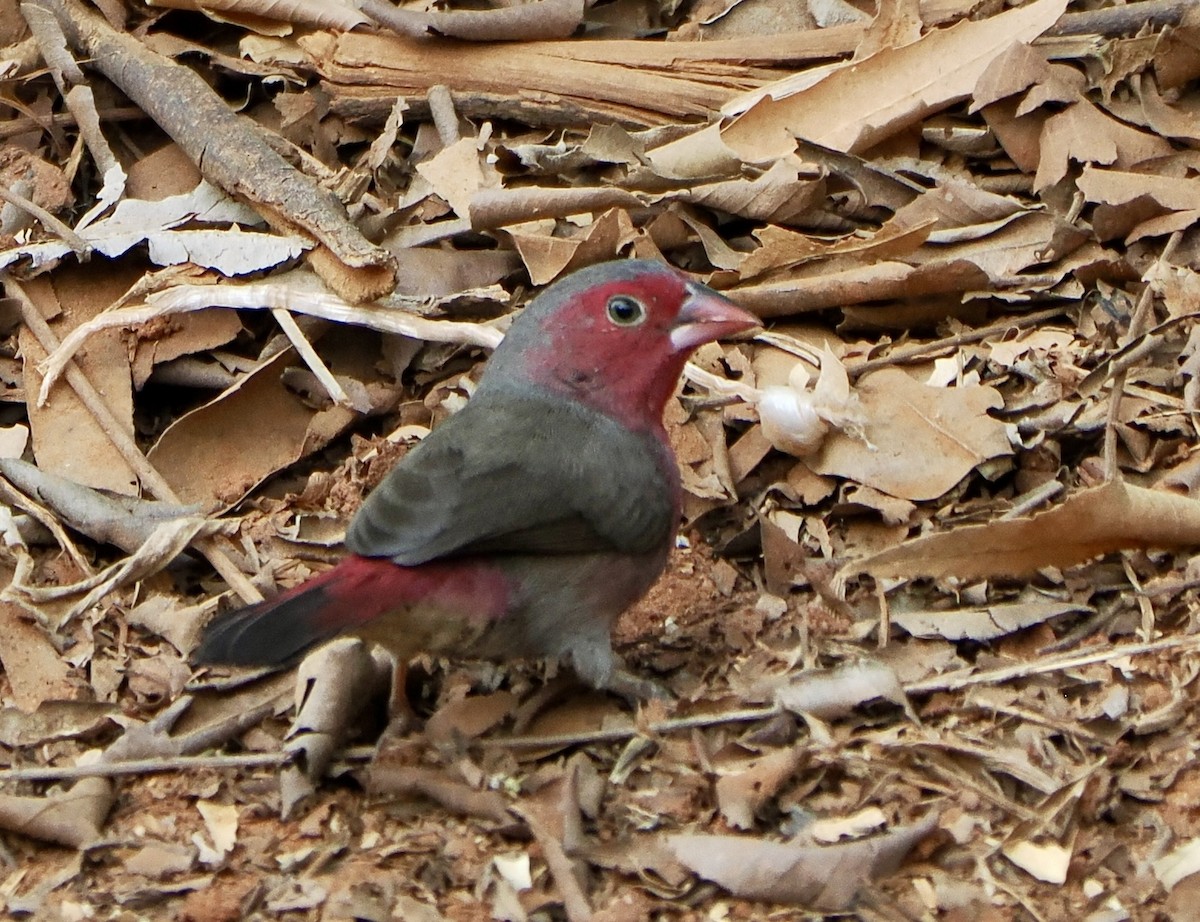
[[360, 589]]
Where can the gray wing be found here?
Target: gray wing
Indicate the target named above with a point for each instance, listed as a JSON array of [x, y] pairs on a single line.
[[516, 474]]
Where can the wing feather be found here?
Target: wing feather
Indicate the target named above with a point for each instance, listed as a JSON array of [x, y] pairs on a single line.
[[472, 487]]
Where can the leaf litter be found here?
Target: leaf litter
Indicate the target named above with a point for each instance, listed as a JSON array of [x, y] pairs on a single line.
[[929, 632]]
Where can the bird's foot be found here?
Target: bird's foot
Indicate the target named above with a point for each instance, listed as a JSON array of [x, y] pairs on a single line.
[[636, 689]]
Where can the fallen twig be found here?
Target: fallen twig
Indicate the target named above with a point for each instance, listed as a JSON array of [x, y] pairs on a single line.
[[961, 678], [144, 766], [123, 441]]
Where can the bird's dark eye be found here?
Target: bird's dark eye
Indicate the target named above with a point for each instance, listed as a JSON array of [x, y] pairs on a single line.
[[625, 311]]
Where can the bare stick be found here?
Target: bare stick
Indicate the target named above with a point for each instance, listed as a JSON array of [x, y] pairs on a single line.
[[961, 678], [616, 734], [1137, 326], [574, 900], [47, 220], [919, 351], [1116, 20], [144, 766], [305, 350], [124, 443]]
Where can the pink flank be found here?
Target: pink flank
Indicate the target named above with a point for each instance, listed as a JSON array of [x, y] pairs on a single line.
[[361, 589]]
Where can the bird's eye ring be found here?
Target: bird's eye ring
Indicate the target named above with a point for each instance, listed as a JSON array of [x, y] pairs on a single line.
[[625, 311]]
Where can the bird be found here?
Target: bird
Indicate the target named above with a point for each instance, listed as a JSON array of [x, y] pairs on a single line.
[[529, 520]]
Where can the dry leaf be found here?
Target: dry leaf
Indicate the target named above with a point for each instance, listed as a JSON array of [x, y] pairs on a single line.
[[863, 103], [744, 789], [1091, 522], [822, 877], [73, 817], [980, 623], [832, 693], [917, 441]]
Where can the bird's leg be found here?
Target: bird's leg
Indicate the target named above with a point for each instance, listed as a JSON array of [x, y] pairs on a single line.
[[635, 689], [600, 667], [401, 718], [400, 714]]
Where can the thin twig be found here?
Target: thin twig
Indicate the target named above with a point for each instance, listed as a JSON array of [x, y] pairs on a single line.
[[123, 441], [306, 351], [1036, 497], [961, 678], [574, 899], [10, 128], [921, 351], [1137, 327], [77, 244], [145, 766], [616, 734]]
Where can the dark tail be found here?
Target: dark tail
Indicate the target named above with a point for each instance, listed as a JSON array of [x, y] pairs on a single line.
[[276, 632]]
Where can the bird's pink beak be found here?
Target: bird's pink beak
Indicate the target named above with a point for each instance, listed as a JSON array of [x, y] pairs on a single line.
[[706, 317]]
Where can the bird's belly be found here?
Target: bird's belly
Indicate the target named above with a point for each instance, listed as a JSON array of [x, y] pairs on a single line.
[[566, 604], [425, 627], [509, 607]]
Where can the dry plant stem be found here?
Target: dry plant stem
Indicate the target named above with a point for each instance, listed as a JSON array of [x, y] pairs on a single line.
[[1116, 20], [145, 766], [1033, 499], [616, 734], [1137, 326], [961, 678], [13, 127], [121, 440], [230, 150], [1112, 469], [47, 220], [82, 103], [261, 295], [925, 350], [574, 900], [305, 350], [445, 119]]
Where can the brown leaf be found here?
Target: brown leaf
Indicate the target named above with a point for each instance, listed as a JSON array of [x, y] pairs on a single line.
[[73, 817], [1091, 522], [822, 877], [918, 441], [859, 105]]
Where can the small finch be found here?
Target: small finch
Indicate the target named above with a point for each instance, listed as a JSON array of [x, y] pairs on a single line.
[[527, 522]]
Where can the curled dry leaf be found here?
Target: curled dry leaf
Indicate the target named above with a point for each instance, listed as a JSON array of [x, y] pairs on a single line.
[[54, 720], [73, 817], [263, 426], [820, 877], [741, 792], [985, 623], [828, 694], [333, 687], [1091, 522], [440, 787], [470, 717], [862, 103]]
